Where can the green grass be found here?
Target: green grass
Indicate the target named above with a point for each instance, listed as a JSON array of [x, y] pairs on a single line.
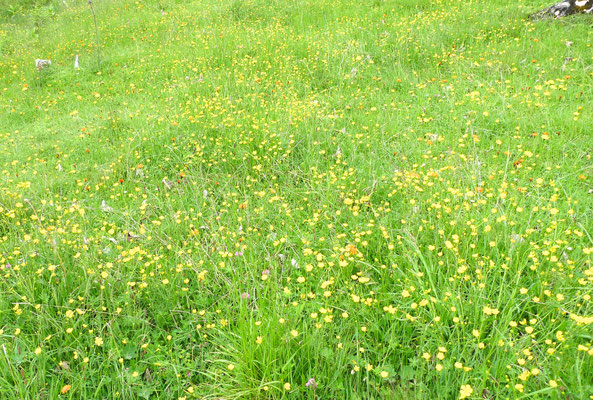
[[232, 197]]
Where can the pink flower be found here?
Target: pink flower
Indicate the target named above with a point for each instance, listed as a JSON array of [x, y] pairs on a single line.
[[311, 383]]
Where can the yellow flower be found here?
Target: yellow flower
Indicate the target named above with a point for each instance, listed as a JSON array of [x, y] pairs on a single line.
[[287, 386], [519, 387], [553, 383], [529, 330], [581, 320], [294, 333], [384, 374], [98, 341], [38, 350], [231, 367], [465, 391]]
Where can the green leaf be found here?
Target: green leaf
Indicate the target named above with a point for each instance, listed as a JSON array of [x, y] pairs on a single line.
[[407, 373], [129, 352], [145, 392]]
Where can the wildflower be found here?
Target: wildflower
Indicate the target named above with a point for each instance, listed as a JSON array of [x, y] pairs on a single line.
[[98, 341], [519, 387], [311, 383], [465, 391]]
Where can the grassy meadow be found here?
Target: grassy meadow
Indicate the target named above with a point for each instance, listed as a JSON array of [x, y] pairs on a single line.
[[295, 199]]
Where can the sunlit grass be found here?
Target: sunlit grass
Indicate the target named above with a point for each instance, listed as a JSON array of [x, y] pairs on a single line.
[[295, 199]]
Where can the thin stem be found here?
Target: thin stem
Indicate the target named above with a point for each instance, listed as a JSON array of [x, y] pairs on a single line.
[[96, 35]]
